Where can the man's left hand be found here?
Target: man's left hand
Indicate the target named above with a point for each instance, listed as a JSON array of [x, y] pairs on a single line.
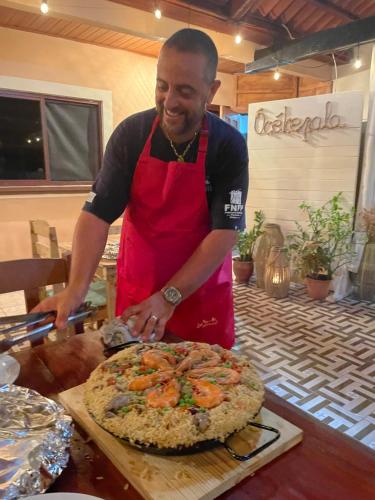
[[151, 315]]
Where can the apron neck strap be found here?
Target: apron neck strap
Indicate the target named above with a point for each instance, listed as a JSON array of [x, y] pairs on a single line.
[[203, 141]]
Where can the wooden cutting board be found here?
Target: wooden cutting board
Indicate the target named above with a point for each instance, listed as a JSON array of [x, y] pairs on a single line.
[[200, 476]]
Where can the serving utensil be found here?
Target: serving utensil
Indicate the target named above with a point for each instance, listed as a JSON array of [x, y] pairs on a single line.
[[25, 321]]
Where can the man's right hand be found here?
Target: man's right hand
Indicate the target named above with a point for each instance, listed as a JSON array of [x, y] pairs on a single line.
[[64, 303]]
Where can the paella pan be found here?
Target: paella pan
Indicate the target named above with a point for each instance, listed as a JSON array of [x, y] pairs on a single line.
[[175, 398]]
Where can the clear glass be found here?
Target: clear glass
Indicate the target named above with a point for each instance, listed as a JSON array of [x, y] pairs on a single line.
[[21, 140]]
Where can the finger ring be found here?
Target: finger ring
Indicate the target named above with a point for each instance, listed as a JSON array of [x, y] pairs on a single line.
[[154, 318]]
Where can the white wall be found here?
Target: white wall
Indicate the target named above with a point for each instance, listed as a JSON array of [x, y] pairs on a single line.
[[286, 170], [350, 78], [355, 81]]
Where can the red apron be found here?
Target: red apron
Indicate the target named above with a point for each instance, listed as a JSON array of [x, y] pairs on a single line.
[[166, 219]]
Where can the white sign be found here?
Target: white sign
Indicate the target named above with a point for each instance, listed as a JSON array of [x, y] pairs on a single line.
[[303, 149]]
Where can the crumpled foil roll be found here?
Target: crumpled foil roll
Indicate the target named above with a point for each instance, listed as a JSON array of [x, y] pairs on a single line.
[[116, 332], [35, 435]]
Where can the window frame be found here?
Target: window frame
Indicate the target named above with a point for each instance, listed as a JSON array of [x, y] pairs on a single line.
[[10, 186]]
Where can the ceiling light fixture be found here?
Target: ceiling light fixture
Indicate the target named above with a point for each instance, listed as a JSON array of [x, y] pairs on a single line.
[[157, 13], [44, 7], [238, 39], [276, 74], [358, 62]]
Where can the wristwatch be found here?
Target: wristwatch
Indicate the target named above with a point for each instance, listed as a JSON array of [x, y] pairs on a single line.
[[172, 295]]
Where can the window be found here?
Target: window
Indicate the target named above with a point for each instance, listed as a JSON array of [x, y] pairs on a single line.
[[48, 141]]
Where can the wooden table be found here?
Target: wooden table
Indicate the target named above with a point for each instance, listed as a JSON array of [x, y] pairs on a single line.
[[326, 465]]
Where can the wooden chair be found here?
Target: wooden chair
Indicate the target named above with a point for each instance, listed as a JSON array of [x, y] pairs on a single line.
[[43, 240], [114, 230], [32, 276], [44, 243]]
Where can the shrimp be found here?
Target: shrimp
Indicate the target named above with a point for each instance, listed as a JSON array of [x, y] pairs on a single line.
[[165, 396], [219, 374], [159, 360], [145, 381], [199, 358], [205, 394]]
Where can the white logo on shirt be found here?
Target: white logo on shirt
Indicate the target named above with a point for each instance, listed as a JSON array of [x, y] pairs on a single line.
[[91, 197], [235, 197], [234, 209]]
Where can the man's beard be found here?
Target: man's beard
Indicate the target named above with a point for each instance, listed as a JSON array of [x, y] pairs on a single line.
[[188, 123]]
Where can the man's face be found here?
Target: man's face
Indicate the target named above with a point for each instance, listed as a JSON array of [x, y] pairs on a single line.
[[182, 92]]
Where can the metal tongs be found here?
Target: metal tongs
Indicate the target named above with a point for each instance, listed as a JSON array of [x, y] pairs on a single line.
[[25, 321]]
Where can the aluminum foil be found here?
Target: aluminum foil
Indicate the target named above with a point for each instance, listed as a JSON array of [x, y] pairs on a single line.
[[35, 434], [116, 332]]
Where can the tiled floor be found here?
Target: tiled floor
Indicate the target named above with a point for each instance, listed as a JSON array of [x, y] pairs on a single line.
[[319, 356]]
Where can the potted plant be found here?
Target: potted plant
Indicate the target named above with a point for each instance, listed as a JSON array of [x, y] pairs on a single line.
[[324, 246], [243, 265]]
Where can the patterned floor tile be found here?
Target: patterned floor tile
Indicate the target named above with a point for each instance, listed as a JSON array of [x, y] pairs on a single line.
[[317, 355]]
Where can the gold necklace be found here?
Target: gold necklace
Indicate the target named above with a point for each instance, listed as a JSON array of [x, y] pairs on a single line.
[[181, 157]]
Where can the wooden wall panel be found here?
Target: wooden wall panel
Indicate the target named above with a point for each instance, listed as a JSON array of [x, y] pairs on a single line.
[[262, 87], [310, 86]]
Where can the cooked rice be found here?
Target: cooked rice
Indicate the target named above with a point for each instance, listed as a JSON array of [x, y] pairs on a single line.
[[174, 427]]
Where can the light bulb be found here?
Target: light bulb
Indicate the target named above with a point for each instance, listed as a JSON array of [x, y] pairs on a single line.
[[28, 141], [277, 75], [357, 63], [157, 13], [44, 7], [238, 39]]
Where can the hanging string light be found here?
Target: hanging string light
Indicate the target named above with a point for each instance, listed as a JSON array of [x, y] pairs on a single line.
[[44, 7], [157, 13], [238, 39], [358, 62]]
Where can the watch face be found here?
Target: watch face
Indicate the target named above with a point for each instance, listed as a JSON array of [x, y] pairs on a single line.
[[172, 295]]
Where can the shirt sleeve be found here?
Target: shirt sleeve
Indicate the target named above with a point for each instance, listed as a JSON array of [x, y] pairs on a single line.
[[230, 185], [111, 189]]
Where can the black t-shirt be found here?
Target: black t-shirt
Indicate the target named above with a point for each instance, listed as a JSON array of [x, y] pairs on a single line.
[[226, 169]]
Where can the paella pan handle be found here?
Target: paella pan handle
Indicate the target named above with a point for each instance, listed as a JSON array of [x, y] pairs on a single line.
[[243, 458]]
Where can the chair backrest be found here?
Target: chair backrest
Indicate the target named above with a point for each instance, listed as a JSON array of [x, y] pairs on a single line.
[[114, 230], [44, 242], [32, 275]]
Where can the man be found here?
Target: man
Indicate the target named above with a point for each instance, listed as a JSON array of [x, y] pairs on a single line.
[[181, 173]]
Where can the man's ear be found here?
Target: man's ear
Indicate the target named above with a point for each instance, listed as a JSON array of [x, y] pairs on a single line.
[[213, 89]]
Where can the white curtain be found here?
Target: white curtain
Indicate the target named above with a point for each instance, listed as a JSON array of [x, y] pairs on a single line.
[[342, 285]]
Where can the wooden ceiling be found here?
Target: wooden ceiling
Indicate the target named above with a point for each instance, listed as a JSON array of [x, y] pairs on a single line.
[[90, 33], [262, 21], [266, 22]]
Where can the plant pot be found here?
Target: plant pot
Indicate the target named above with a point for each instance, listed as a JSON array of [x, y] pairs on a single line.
[[317, 289], [243, 270]]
